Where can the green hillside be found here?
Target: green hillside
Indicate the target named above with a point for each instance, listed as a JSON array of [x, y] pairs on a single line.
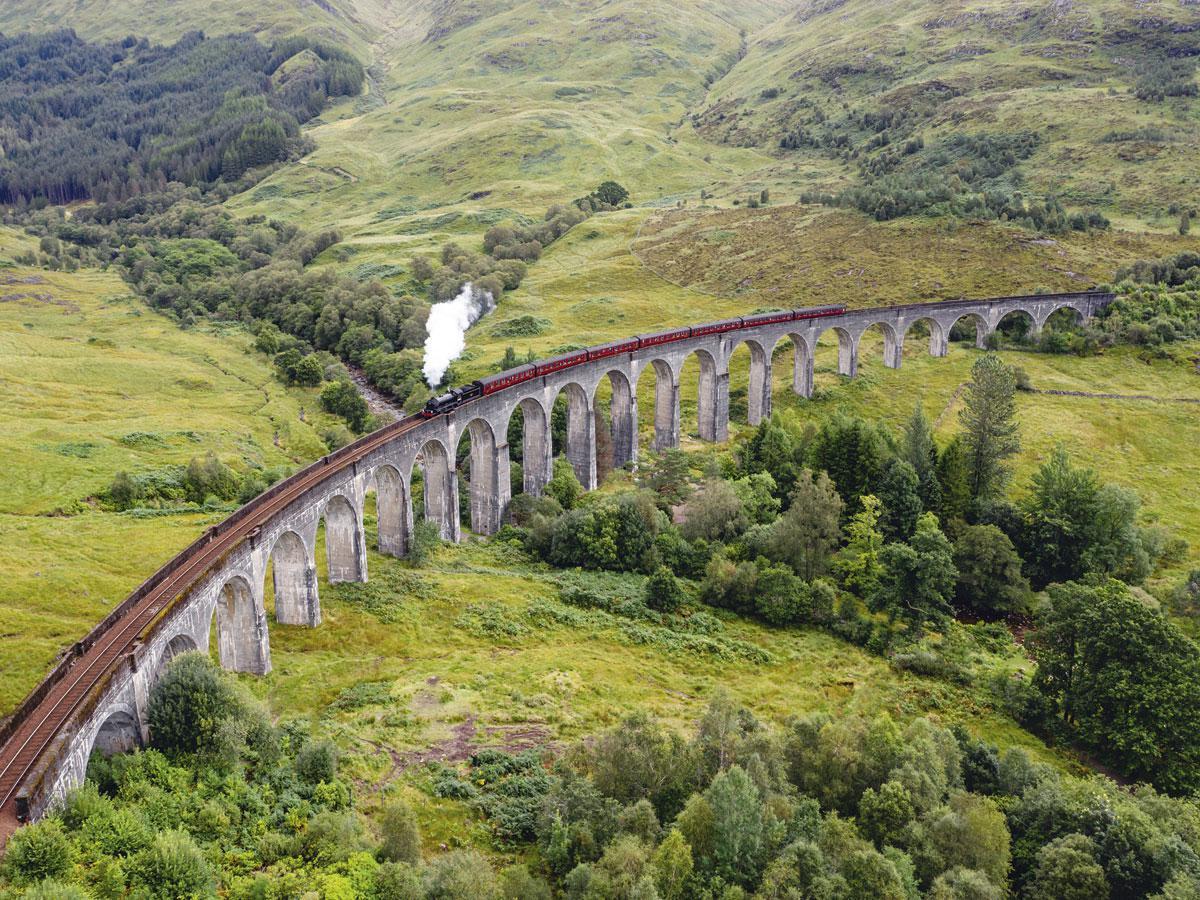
[[95, 384]]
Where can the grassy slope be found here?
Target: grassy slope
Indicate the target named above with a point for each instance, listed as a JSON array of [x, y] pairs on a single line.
[[85, 366], [1063, 70]]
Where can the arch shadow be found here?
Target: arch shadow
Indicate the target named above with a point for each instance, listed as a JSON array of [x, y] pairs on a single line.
[[240, 642], [294, 582]]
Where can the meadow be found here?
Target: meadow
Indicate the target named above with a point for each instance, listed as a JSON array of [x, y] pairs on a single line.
[[476, 650], [96, 383]]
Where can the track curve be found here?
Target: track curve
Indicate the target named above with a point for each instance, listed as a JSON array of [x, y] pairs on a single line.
[[33, 727]]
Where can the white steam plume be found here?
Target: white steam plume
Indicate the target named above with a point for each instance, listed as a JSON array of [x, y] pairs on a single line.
[[447, 329]]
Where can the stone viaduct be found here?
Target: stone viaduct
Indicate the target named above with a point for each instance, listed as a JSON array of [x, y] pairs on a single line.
[[96, 698]]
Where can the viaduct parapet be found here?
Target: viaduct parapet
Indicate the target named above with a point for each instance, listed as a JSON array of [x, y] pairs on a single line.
[[95, 699]]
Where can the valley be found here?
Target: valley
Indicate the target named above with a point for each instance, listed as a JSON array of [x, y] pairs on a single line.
[[169, 350]]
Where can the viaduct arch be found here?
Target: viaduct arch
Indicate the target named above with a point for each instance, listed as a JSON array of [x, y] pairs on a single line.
[[215, 590]]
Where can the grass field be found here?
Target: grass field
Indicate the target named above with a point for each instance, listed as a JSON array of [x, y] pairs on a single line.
[[95, 383]]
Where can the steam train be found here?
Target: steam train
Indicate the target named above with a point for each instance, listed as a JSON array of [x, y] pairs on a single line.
[[453, 399]]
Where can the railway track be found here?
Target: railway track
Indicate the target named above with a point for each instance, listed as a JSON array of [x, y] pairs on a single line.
[[71, 683]]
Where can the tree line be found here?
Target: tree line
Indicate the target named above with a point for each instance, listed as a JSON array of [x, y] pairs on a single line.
[[227, 803]]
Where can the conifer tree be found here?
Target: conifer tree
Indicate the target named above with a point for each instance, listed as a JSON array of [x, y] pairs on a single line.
[[990, 427]]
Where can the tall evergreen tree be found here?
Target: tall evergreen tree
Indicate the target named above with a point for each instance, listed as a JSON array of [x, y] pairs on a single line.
[[954, 482], [900, 493], [990, 426], [919, 451], [852, 451]]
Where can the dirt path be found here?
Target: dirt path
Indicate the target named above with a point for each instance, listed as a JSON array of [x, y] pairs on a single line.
[[1094, 396], [958, 392]]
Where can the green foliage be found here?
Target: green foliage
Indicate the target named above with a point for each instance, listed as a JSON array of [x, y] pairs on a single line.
[[190, 706], [971, 833], [1124, 681], [610, 193], [103, 121], [954, 482], [964, 884], [885, 815], [37, 852], [918, 577], [989, 426], [425, 538], [667, 477], [737, 826], [807, 534], [900, 494], [672, 864], [1067, 868], [777, 448], [401, 839], [990, 582], [343, 399], [782, 598], [663, 592], [919, 450], [317, 762], [295, 368], [858, 565], [171, 868], [1076, 526], [614, 533], [564, 486], [460, 874], [714, 513], [852, 452], [1160, 78]]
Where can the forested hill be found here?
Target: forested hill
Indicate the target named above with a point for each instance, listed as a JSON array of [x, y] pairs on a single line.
[[107, 121]]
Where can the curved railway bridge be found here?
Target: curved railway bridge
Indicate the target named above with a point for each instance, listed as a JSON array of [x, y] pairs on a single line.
[[95, 697]]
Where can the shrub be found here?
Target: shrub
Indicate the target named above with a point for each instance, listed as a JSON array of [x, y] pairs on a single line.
[[317, 762], [425, 538], [563, 485], [190, 704], [663, 592], [781, 598], [460, 874], [38, 851], [516, 883], [401, 838], [172, 868], [714, 513]]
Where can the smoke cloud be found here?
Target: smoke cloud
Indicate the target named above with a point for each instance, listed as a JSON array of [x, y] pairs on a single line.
[[447, 329]]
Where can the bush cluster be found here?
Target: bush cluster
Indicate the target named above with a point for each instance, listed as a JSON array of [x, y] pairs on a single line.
[[852, 807], [205, 481], [882, 539]]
